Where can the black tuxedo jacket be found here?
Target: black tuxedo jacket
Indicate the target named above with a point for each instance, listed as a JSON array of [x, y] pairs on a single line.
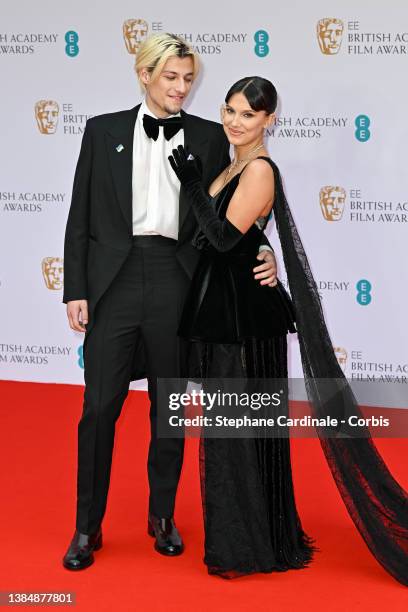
[[99, 229]]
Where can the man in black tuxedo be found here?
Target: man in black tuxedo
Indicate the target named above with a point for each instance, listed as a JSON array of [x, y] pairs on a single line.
[[128, 264]]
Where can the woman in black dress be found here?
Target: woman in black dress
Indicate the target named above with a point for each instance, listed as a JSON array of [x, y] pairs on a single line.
[[237, 329]]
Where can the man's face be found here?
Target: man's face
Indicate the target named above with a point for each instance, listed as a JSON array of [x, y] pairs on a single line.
[[330, 37], [333, 204], [48, 118], [166, 94]]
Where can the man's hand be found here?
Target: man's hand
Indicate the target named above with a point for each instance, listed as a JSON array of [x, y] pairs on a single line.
[[77, 312], [267, 271]]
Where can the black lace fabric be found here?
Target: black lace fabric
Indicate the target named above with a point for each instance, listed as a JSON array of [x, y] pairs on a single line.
[[375, 501], [250, 517]]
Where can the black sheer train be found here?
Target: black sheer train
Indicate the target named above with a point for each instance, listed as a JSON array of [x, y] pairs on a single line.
[[375, 501]]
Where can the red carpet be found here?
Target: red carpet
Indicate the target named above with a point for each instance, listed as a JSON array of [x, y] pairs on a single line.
[[38, 443]]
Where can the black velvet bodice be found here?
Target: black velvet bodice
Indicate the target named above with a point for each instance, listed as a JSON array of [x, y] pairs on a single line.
[[225, 302]]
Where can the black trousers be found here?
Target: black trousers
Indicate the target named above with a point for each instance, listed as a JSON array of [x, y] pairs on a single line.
[[141, 308]]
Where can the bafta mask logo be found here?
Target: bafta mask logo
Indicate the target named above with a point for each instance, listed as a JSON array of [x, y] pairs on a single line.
[[329, 35], [134, 32], [332, 200], [341, 355], [46, 114], [53, 272]]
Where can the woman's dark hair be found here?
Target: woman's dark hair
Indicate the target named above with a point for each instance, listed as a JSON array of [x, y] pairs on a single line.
[[260, 93]]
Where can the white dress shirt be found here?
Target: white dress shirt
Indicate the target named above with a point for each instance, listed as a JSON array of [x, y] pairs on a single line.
[[155, 186]]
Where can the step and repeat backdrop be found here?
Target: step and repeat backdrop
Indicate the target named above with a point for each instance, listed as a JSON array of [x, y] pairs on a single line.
[[339, 139]]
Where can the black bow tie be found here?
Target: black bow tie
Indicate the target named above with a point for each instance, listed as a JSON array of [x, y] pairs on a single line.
[[170, 126]]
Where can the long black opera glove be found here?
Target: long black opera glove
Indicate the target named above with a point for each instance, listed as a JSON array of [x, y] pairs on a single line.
[[222, 234]]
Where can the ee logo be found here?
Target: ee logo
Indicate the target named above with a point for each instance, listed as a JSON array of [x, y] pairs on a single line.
[[261, 38], [363, 292], [80, 352], [362, 123], [71, 47]]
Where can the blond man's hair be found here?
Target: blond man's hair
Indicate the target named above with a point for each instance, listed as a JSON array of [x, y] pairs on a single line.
[[157, 49]]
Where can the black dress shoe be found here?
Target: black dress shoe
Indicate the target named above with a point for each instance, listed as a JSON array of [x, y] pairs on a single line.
[[168, 540], [80, 552]]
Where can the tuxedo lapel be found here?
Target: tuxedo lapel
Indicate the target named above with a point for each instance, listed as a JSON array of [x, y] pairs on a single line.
[[119, 143], [194, 141]]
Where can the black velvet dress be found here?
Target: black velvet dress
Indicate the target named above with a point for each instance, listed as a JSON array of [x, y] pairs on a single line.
[[236, 327]]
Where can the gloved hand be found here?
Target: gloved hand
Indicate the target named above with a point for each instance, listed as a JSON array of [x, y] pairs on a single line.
[[185, 166], [220, 233]]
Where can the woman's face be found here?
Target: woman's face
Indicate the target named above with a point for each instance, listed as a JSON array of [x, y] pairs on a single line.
[[243, 125]]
